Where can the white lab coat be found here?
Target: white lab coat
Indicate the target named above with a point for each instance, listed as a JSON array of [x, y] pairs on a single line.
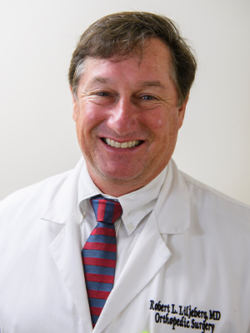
[[188, 272]]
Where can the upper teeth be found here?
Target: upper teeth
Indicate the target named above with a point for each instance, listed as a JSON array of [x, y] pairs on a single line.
[[128, 144]]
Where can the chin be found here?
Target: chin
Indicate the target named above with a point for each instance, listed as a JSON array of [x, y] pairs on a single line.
[[120, 177]]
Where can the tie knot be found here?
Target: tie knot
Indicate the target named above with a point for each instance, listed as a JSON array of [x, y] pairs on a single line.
[[107, 211]]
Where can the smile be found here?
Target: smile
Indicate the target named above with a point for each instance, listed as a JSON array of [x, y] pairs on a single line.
[[128, 144]]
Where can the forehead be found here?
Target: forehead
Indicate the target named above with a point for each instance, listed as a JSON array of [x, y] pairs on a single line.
[[153, 62]]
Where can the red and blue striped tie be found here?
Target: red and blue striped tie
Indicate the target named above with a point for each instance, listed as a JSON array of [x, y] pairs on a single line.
[[99, 255]]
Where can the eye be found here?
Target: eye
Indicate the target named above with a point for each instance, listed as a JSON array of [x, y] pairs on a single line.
[[147, 101], [102, 97], [102, 94], [148, 97]]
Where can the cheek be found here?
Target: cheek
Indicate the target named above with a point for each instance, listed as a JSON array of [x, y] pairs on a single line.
[[163, 125], [156, 121], [159, 123], [90, 117]]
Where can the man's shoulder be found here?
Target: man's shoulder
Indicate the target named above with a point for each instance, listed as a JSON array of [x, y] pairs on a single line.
[[41, 192], [200, 187], [214, 203]]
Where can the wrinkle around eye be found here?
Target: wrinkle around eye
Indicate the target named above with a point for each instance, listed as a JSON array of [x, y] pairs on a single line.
[[153, 102], [101, 93], [102, 98], [148, 99]]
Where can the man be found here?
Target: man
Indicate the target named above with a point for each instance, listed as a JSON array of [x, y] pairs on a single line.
[[182, 254]]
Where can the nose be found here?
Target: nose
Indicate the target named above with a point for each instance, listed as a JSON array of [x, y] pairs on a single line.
[[123, 117]]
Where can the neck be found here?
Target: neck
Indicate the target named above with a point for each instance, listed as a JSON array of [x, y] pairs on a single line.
[[118, 187]]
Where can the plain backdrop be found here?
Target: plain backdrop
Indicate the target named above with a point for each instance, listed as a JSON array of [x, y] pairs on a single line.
[[37, 133]]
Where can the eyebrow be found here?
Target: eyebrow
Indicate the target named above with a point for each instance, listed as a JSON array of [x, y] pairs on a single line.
[[144, 84], [153, 84], [101, 80]]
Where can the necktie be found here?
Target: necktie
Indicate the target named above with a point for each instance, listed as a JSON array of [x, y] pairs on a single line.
[[99, 254]]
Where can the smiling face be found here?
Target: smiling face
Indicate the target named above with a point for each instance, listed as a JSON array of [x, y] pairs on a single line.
[[127, 118]]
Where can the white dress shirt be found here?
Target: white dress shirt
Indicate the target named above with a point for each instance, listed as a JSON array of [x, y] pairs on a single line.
[[136, 207]]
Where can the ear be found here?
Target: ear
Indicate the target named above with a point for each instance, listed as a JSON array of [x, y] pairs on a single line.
[[182, 110], [75, 105]]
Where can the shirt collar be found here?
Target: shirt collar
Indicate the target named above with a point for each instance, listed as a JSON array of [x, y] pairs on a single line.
[[135, 205]]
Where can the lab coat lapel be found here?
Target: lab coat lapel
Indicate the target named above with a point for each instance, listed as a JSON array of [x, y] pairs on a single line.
[[148, 256], [66, 246], [66, 252]]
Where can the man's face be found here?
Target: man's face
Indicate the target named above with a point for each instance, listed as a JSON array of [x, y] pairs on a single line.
[[127, 118]]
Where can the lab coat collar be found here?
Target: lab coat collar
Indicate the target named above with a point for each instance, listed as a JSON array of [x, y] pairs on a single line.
[[65, 202], [172, 208]]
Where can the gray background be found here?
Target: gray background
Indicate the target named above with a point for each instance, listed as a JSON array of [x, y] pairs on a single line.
[[37, 134]]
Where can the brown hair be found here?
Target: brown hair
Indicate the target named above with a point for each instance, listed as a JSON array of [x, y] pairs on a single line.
[[123, 33]]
